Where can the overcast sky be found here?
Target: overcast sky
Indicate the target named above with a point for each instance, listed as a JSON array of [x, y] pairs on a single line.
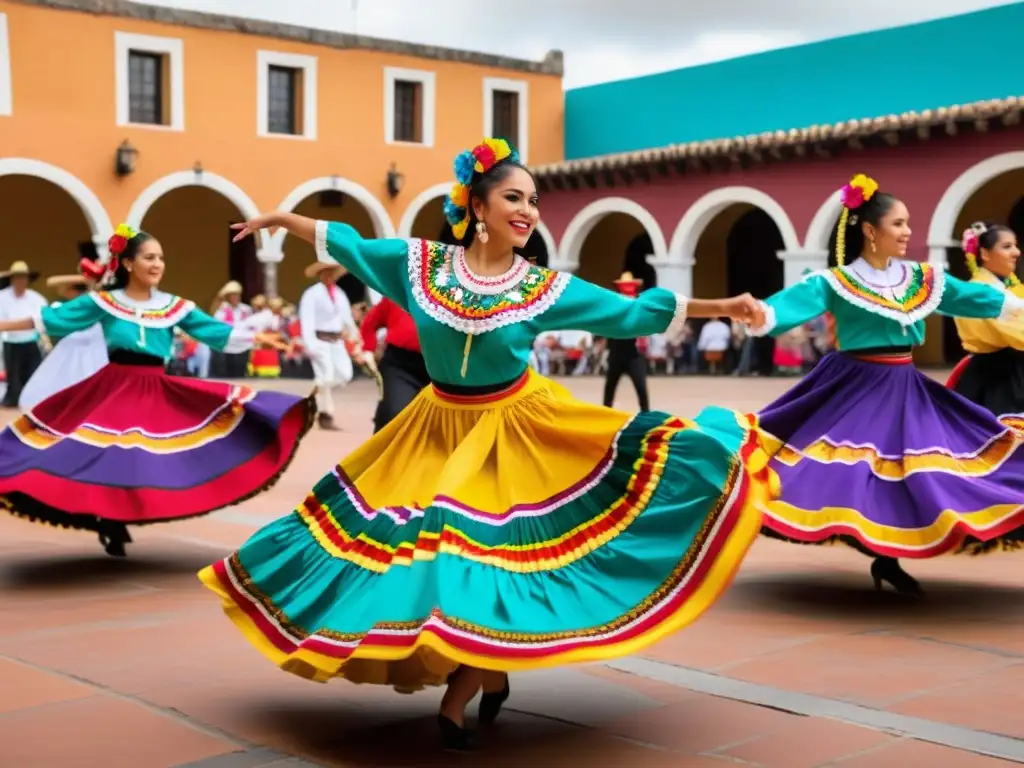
[[603, 39]]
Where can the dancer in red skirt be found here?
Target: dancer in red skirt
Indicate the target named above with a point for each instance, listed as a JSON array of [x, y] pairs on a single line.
[[131, 445]]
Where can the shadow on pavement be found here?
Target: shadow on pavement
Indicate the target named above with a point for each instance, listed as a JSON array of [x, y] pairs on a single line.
[[399, 734], [68, 573], [837, 596]]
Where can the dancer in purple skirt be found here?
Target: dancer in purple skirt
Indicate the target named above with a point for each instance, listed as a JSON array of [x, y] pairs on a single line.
[[871, 452]]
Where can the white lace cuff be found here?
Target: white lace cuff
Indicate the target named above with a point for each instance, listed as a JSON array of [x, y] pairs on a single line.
[[320, 244], [678, 318], [769, 322]]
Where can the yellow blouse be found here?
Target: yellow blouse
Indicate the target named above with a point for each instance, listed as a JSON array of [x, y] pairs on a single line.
[[984, 336]]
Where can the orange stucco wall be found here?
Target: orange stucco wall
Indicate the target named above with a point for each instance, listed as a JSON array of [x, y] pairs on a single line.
[[64, 115]]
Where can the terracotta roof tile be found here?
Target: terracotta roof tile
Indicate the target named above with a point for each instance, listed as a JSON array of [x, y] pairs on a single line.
[[1009, 109]]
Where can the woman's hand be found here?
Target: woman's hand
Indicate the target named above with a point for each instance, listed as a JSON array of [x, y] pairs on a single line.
[[269, 221], [746, 309]]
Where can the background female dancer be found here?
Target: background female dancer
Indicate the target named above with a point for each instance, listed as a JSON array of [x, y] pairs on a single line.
[[993, 375], [497, 523], [77, 356], [876, 454], [403, 372], [131, 445]]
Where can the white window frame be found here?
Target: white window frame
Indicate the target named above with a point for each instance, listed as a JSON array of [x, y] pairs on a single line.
[[428, 82], [305, 64], [6, 97], [521, 87], [173, 49]]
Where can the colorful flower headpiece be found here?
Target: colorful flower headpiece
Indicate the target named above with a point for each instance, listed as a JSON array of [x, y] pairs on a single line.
[[480, 159], [971, 245], [119, 240], [853, 195]]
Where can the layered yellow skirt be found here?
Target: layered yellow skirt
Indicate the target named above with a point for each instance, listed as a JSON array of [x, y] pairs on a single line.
[[511, 531]]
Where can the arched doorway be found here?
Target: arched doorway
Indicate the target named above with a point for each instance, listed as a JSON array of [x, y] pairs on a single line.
[[331, 199], [732, 238], [999, 200], [193, 224], [49, 217], [43, 225], [738, 253], [191, 213], [614, 240], [601, 237]]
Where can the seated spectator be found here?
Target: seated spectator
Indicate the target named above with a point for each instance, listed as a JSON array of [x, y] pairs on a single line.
[[715, 338]]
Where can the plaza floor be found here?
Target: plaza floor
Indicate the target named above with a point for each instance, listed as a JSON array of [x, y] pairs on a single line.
[[131, 664]]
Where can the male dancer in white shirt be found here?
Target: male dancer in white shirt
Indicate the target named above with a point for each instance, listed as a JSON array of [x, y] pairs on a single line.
[[21, 351], [325, 320]]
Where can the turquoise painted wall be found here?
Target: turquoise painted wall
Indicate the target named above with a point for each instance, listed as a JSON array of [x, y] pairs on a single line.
[[923, 66]]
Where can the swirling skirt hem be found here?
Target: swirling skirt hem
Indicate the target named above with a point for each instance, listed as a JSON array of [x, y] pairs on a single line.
[[438, 644]]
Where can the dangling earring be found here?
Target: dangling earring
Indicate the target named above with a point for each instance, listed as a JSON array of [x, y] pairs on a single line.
[[873, 249], [481, 232]]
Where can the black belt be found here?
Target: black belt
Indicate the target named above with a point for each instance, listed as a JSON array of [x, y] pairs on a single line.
[[471, 391], [127, 357]]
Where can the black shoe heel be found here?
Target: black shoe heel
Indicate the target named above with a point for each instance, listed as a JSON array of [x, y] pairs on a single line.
[[888, 570]]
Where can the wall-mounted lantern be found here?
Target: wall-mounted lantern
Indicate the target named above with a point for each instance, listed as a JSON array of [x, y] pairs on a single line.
[[395, 181], [124, 158]]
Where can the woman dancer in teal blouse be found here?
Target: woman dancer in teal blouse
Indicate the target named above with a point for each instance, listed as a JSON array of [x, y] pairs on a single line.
[[497, 523]]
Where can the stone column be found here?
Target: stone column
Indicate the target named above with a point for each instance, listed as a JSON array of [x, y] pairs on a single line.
[[676, 277], [270, 279], [797, 263], [269, 258]]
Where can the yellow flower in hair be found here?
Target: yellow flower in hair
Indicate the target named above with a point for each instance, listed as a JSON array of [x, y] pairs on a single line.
[[500, 148], [459, 195], [123, 230], [866, 185], [459, 230]]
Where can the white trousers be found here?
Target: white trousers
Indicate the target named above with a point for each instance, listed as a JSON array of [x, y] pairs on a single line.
[[332, 369]]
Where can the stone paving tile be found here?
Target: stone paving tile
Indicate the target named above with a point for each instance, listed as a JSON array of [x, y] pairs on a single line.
[[22, 687], [907, 753], [103, 731], [808, 742], [700, 724], [990, 702], [866, 669]]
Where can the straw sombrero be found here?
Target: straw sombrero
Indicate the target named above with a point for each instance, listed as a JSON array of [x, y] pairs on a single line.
[[628, 285], [20, 268], [231, 286], [627, 278], [317, 267]]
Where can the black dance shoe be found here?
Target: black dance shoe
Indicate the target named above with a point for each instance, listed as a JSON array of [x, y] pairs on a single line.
[[491, 703], [454, 738], [113, 537], [888, 569]]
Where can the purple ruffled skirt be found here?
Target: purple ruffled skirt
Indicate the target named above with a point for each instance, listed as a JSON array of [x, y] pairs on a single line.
[[874, 454]]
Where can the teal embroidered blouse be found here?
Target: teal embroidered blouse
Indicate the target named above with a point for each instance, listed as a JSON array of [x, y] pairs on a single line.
[[502, 315], [881, 308], [146, 327]]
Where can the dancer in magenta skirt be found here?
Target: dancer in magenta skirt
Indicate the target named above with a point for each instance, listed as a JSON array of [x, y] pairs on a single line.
[[131, 445]]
